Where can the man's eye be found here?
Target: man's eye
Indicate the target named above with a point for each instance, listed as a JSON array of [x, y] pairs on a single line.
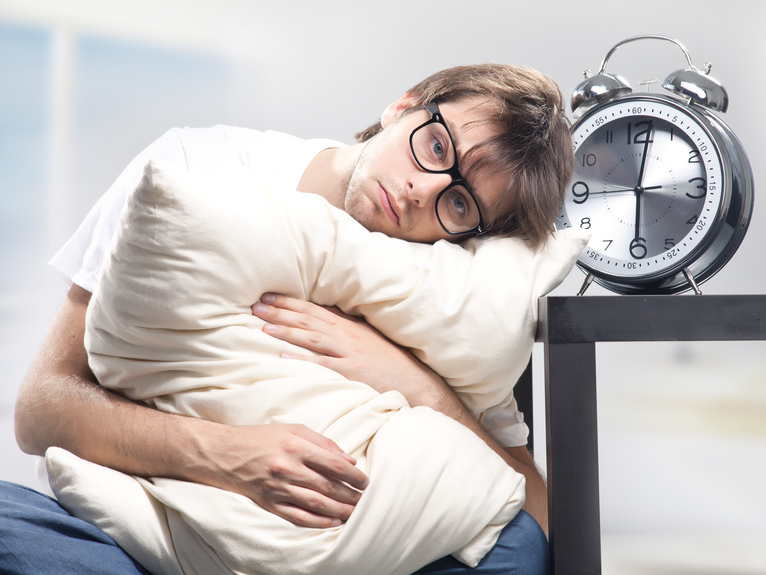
[[437, 149], [458, 203]]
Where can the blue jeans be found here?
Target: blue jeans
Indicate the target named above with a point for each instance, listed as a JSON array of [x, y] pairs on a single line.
[[38, 537]]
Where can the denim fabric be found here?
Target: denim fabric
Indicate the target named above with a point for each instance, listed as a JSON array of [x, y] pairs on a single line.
[[38, 537], [522, 549]]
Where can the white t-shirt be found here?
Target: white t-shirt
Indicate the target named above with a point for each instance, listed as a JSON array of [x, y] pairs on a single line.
[[278, 157]]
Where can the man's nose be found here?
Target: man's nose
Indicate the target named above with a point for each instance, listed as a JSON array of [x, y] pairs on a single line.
[[423, 187]]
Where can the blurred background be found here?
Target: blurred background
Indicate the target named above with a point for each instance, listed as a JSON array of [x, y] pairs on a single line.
[[86, 84]]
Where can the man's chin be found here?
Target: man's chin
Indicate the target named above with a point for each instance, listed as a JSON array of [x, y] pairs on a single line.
[[364, 213]]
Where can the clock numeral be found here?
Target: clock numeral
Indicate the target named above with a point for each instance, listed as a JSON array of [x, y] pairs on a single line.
[[581, 192], [585, 223], [609, 136], [588, 160], [694, 157], [670, 243], [701, 186], [608, 243], [692, 221], [638, 249], [642, 136]]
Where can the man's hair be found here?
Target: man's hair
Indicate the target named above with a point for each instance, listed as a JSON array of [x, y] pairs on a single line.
[[533, 143]]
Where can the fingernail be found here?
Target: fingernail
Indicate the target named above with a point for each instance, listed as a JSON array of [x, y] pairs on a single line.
[[259, 308], [270, 328], [335, 523], [268, 297]]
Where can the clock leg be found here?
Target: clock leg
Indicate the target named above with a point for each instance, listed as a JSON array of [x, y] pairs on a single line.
[[692, 282], [586, 284]]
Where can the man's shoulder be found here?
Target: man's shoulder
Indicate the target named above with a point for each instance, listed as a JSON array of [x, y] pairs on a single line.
[[223, 144]]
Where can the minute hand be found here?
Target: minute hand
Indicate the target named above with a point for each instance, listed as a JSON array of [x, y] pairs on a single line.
[[647, 141], [639, 189]]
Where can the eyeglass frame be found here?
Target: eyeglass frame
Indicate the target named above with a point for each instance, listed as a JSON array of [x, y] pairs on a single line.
[[453, 172]]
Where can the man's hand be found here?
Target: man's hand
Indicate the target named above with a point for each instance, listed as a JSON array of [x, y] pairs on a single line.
[[349, 346], [288, 469]]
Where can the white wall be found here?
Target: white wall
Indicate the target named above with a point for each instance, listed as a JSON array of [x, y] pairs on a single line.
[[683, 432]]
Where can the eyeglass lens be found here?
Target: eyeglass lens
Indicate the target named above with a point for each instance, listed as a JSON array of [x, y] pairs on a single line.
[[434, 152]]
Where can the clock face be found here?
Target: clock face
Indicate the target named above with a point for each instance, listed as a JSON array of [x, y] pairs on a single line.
[[648, 184]]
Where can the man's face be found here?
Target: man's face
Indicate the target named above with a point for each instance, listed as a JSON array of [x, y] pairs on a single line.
[[389, 193]]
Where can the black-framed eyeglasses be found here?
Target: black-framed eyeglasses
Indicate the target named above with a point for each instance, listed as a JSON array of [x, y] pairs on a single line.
[[434, 151]]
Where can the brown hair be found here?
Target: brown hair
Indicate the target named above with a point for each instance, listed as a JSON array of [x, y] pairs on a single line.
[[533, 143]]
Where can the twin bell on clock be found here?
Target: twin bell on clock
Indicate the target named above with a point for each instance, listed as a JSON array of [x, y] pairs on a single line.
[[662, 183]]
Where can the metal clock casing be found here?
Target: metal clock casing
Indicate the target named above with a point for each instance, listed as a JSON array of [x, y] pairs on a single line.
[[666, 189]]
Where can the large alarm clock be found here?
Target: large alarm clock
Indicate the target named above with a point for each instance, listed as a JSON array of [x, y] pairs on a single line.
[[663, 185]]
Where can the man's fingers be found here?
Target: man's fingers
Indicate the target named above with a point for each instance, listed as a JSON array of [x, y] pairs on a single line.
[[325, 496], [334, 465], [308, 340], [295, 327], [307, 510], [319, 440], [306, 334], [288, 307], [313, 500], [297, 307]]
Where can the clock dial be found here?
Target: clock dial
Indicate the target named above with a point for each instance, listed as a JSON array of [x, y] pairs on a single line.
[[648, 184]]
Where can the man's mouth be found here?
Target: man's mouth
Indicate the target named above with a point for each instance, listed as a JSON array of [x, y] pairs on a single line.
[[388, 207]]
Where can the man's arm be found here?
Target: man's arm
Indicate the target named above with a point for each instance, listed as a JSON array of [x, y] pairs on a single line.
[[288, 469], [357, 351]]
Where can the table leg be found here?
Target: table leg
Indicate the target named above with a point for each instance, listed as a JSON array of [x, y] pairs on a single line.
[[572, 436]]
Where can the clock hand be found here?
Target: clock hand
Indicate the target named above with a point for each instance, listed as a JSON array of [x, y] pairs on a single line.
[[639, 189], [647, 140], [627, 190]]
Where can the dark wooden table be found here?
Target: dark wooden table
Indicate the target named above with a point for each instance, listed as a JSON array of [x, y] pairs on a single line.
[[570, 327]]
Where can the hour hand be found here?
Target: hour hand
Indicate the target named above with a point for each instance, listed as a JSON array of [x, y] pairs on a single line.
[[631, 190]]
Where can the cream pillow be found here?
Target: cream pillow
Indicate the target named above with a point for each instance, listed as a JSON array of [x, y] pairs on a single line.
[[215, 241], [170, 325]]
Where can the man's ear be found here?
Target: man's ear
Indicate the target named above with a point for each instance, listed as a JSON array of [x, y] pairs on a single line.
[[395, 108]]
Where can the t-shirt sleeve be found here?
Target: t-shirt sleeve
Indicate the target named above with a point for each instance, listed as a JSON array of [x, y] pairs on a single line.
[[505, 423], [80, 259]]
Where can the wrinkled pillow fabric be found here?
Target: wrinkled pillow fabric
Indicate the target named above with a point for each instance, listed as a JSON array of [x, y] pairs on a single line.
[[170, 325]]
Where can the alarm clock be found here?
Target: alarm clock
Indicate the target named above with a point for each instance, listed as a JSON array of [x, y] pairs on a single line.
[[663, 185]]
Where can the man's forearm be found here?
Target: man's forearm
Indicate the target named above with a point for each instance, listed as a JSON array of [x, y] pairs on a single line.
[[289, 470], [60, 403], [77, 414]]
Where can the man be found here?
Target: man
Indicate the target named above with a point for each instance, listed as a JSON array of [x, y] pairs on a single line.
[[512, 160]]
